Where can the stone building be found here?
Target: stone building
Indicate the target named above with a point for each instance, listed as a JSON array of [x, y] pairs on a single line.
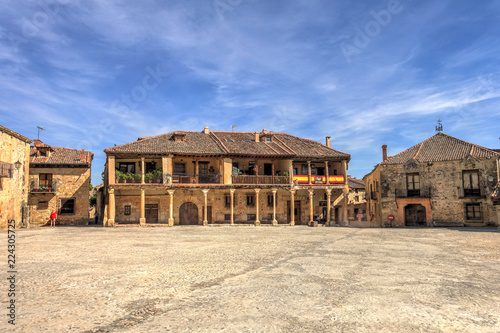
[[59, 179], [442, 181], [356, 202], [213, 177], [14, 169]]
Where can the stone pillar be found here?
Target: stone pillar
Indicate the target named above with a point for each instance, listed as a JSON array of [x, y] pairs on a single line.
[[328, 206], [311, 207], [344, 163], [290, 171], [167, 166], [205, 209], [143, 170], [309, 172], [142, 220], [275, 222], [257, 221], [327, 173], [171, 219], [232, 206], [292, 208], [111, 170], [111, 207]]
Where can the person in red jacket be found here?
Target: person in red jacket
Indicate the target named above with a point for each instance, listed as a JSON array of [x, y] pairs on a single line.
[[53, 217]]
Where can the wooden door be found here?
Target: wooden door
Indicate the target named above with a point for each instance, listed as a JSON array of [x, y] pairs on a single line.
[[415, 216], [152, 213], [268, 169], [297, 212], [188, 214], [209, 214]]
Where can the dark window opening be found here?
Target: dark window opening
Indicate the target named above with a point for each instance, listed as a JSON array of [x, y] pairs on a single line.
[[473, 211], [270, 199], [251, 200], [251, 217], [227, 217], [471, 183], [67, 206], [179, 168], [413, 184], [127, 167]]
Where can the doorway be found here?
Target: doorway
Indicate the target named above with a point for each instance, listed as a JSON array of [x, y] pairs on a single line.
[[209, 214], [297, 212], [151, 213], [188, 214], [415, 216]]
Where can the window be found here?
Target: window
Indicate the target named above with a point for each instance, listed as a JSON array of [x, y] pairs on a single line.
[[322, 203], [471, 183], [42, 205], [43, 153], [250, 200], [473, 211], [67, 206], [150, 166], [180, 137], [269, 217], [229, 140], [246, 140], [413, 184], [227, 217], [127, 167], [45, 179], [251, 217], [267, 139], [270, 200], [227, 200], [179, 169], [126, 210]]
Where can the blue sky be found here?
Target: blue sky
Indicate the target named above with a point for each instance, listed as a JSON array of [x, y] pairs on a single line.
[[367, 73]]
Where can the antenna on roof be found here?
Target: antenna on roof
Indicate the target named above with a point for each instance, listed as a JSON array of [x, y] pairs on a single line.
[[439, 127], [40, 129], [233, 127]]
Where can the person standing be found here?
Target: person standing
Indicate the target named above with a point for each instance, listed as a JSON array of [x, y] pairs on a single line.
[[53, 217], [96, 216]]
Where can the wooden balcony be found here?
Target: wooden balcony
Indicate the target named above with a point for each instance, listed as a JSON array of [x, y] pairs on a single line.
[[319, 180], [183, 178], [263, 180], [50, 188]]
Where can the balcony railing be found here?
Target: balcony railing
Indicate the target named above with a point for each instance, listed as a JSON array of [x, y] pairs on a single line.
[[319, 180], [184, 178], [424, 192], [6, 170], [276, 180], [50, 188], [136, 178]]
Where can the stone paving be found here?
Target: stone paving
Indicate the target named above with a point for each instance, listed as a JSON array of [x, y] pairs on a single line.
[[256, 279]]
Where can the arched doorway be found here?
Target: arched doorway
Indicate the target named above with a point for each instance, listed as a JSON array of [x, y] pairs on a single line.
[[415, 216], [188, 214]]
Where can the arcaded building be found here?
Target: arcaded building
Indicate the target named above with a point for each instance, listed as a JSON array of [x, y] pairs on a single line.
[[442, 181], [59, 178], [213, 177], [14, 170]]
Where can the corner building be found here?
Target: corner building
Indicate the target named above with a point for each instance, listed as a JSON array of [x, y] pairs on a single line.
[[213, 177]]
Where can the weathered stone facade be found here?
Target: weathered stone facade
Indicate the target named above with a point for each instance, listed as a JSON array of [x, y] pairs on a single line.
[[443, 198], [14, 169], [59, 179], [356, 203], [266, 179]]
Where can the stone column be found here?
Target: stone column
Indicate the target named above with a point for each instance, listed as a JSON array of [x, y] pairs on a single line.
[[167, 166], [292, 208], [290, 172], [142, 220], [344, 163], [257, 221], [142, 170], [171, 219], [327, 173], [311, 207], [205, 209], [111, 207], [232, 206], [328, 206], [275, 222], [309, 172], [111, 170]]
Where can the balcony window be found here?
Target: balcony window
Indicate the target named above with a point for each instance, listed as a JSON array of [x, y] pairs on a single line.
[[179, 168], [127, 167], [471, 183], [45, 179], [270, 200], [413, 184]]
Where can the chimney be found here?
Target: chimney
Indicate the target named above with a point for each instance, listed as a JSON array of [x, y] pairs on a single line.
[[329, 142], [257, 136], [82, 156], [206, 130], [384, 153], [264, 131]]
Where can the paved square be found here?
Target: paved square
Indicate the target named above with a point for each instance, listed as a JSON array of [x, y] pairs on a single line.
[[256, 279]]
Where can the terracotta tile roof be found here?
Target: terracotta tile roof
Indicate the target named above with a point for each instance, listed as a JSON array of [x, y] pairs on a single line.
[[14, 134], [356, 183], [440, 147], [59, 155], [230, 143]]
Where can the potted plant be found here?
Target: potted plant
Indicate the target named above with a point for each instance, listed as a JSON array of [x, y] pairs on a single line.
[[118, 176], [158, 175], [148, 177]]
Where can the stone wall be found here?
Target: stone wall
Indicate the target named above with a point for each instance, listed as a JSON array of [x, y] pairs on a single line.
[[69, 183], [14, 191]]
